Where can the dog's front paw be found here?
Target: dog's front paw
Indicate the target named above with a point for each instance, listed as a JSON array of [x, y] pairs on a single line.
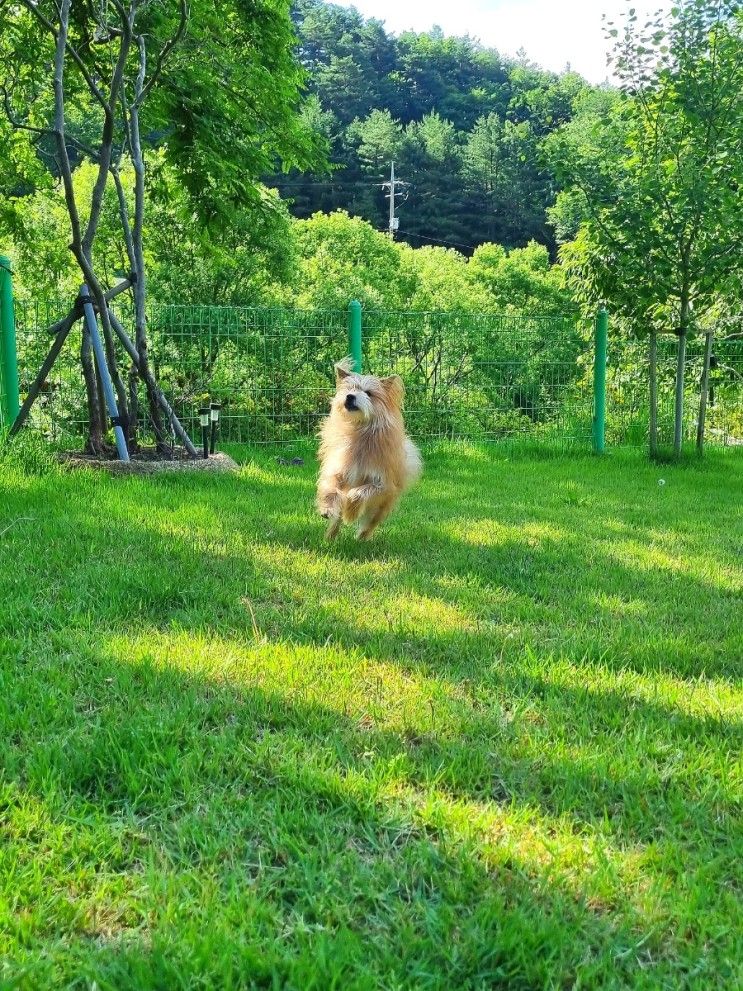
[[329, 506]]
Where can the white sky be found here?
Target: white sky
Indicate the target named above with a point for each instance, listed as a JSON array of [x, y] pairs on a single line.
[[553, 32]]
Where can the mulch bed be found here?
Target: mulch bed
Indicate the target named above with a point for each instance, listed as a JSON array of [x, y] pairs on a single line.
[[148, 461]]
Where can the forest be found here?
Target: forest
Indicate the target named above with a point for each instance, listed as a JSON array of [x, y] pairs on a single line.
[[466, 128]]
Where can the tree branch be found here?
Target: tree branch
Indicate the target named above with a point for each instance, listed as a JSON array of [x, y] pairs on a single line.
[[59, 122], [33, 8], [152, 386], [107, 136], [77, 310], [124, 216], [164, 52], [18, 124]]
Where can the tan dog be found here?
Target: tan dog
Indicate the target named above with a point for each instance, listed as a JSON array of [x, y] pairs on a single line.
[[366, 459]]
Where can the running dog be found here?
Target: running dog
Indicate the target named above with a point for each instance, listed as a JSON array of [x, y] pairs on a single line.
[[366, 459]]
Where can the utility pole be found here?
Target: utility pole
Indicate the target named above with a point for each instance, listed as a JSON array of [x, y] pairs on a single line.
[[392, 185]]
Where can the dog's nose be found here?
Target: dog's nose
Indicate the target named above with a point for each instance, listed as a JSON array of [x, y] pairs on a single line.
[[350, 401]]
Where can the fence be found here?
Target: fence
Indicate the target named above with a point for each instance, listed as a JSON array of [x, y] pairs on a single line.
[[478, 376], [466, 375], [627, 388]]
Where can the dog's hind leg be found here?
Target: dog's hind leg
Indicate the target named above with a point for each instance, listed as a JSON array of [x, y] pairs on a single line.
[[376, 515], [328, 500], [356, 500]]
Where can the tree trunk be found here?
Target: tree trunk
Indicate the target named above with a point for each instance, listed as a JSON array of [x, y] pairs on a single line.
[[98, 296], [683, 332], [102, 410], [678, 426], [653, 427], [140, 287], [122, 400], [152, 385], [133, 422], [704, 391], [109, 96]]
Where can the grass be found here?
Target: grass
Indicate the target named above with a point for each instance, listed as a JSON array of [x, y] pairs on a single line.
[[499, 747]]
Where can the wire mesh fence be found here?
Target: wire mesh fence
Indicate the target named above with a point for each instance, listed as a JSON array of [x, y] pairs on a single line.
[[271, 369], [627, 400], [487, 376], [467, 375]]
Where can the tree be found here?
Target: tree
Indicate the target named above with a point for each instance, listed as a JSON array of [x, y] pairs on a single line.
[[438, 89], [661, 176], [500, 166], [341, 258], [170, 71], [430, 160], [377, 139], [521, 280]]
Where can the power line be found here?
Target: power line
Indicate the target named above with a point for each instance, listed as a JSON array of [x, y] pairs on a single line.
[[440, 240], [343, 184], [429, 176]]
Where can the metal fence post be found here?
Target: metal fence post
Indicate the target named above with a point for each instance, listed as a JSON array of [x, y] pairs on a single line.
[[108, 389], [9, 404], [354, 333], [599, 381]]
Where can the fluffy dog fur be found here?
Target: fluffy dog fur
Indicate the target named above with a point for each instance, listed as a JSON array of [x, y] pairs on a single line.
[[366, 459]]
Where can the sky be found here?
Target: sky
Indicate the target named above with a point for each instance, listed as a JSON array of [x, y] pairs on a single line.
[[553, 32]]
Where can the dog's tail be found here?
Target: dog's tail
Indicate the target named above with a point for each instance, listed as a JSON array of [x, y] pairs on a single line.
[[413, 463]]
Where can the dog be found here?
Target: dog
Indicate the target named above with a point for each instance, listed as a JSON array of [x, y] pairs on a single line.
[[367, 460]]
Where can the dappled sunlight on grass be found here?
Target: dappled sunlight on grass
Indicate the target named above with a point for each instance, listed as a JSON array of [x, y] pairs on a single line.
[[650, 557], [304, 566], [489, 532], [510, 725], [415, 614], [710, 699], [618, 607], [371, 751]]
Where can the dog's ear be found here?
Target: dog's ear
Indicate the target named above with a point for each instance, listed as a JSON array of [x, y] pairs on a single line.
[[395, 389], [343, 369]]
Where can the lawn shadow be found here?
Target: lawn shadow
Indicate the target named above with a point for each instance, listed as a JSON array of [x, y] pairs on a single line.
[[509, 805], [216, 797]]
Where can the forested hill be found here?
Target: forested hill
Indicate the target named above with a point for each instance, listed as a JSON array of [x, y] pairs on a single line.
[[464, 125]]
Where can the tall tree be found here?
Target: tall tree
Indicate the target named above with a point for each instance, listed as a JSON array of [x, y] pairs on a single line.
[[430, 159], [661, 180], [378, 139], [505, 181], [358, 71]]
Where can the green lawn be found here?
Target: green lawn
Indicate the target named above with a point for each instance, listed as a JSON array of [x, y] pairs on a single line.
[[498, 747]]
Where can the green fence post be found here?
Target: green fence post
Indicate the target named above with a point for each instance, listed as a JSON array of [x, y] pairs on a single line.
[[354, 333], [8, 356], [599, 381]]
